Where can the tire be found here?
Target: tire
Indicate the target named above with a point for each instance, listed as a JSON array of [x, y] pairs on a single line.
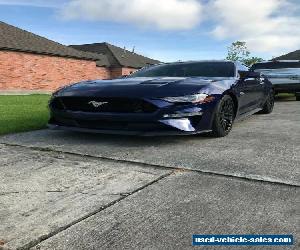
[[224, 117], [269, 104]]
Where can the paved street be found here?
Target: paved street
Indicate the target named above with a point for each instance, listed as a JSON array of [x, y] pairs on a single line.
[[64, 190]]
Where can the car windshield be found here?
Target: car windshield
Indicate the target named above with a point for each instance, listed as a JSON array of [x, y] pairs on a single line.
[[275, 65], [192, 69]]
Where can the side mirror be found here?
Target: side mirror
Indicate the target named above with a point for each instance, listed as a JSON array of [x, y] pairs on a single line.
[[248, 74]]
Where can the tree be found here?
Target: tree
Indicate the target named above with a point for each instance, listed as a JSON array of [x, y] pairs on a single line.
[[251, 60], [238, 51]]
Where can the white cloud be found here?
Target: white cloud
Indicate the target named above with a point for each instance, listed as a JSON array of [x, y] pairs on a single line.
[[266, 25], [163, 15], [269, 26]]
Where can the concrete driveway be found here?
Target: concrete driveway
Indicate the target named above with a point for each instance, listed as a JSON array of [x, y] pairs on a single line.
[[63, 190]]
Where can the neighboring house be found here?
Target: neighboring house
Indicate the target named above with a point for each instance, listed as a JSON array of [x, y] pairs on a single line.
[[122, 61], [295, 55], [32, 62]]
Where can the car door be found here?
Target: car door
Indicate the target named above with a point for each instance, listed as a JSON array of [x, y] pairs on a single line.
[[254, 86], [251, 90], [242, 90]]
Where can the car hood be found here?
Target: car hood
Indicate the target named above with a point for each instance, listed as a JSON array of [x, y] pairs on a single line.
[[146, 87]]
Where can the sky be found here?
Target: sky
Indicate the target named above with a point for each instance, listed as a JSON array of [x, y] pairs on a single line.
[[167, 30]]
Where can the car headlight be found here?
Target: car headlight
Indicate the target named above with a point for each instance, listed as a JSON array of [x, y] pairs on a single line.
[[197, 98]]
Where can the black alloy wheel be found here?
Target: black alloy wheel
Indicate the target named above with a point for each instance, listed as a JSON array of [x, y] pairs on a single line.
[[224, 117], [269, 104]]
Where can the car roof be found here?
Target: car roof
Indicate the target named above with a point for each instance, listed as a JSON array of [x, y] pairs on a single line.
[[198, 61], [274, 61]]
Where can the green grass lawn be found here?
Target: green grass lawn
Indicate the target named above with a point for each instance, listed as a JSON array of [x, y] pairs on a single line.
[[20, 113]]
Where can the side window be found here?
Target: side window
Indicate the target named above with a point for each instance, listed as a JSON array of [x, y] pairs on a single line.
[[241, 67], [245, 67]]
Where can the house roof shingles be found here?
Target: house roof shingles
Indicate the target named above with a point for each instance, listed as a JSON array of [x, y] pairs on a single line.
[[295, 55], [16, 39], [116, 55]]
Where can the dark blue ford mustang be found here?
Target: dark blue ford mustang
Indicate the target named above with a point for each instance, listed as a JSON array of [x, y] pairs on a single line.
[[172, 98]]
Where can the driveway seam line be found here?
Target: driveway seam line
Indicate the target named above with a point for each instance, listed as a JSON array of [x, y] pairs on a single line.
[[47, 236], [245, 178]]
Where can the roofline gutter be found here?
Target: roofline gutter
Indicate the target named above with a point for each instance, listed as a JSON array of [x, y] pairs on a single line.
[[47, 54]]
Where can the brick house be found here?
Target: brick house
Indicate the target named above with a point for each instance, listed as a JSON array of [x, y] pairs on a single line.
[[32, 62], [121, 61]]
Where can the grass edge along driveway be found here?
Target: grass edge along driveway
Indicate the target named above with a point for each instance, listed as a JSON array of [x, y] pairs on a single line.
[[20, 113]]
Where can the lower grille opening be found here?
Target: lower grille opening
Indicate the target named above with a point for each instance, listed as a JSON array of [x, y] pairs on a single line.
[[195, 120], [112, 125], [126, 126], [62, 122]]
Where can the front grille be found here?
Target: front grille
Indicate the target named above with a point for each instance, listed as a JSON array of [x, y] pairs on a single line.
[[113, 105]]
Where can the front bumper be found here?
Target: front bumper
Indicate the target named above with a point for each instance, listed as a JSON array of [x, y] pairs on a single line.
[[125, 132], [167, 120]]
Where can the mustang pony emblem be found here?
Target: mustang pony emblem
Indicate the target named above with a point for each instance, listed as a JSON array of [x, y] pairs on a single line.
[[97, 104]]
